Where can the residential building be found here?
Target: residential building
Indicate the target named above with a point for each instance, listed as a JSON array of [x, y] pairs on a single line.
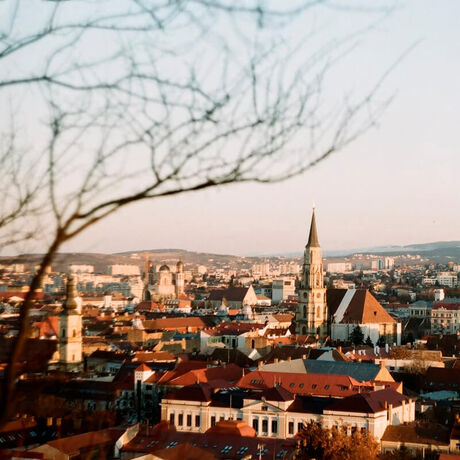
[[278, 413], [282, 289], [445, 318]]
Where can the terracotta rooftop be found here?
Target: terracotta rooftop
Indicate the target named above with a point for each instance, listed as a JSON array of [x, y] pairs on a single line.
[[73, 444], [419, 433], [233, 294], [362, 308], [231, 428], [303, 384], [370, 402]]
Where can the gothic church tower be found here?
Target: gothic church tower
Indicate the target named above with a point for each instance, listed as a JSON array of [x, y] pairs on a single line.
[[312, 312], [70, 325]]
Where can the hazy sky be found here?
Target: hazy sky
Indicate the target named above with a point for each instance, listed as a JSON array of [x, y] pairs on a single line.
[[398, 184]]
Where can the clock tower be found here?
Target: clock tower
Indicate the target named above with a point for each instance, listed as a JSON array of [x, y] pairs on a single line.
[[312, 313]]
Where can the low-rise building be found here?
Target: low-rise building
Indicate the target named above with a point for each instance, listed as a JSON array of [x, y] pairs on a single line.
[[445, 318]]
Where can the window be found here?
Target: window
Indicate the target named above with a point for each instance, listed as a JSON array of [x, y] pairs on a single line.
[[180, 422], [326, 387], [189, 419], [255, 424], [274, 426], [291, 385], [314, 385], [226, 449], [291, 427], [197, 420], [299, 426], [265, 426], [222, 418], [213, 420], [301, 385], [242, 450], [172, 419]]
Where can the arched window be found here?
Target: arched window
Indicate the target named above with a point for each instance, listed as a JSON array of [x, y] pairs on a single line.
[[304, 311], [304, 330], [318, 312], [63, 332], [74, 333]]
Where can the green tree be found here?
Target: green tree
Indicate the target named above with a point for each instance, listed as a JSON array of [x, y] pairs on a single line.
[[357, 336], [369, 342]]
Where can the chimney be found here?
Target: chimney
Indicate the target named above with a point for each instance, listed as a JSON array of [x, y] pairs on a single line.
[[339, 349], [259, 365], [275, 360]]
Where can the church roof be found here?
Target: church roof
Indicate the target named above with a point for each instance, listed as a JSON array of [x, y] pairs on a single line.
[[357, 306], [313, 237], [232, 294]]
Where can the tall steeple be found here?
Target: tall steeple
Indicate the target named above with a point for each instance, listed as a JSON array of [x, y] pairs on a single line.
[[313, 237], [312, 313]]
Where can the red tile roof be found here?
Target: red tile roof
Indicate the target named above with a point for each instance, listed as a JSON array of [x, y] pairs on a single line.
[[363, 308], [447, 306], [369, 403], [143, 368], [73, 444], [304, 384], [233, 294]]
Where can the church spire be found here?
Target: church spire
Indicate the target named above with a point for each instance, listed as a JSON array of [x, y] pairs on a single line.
[[313, 237]]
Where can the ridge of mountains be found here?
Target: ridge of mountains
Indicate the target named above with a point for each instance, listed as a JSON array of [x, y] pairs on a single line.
[[439, 252]]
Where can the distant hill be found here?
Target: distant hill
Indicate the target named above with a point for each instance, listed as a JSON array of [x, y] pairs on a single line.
[[63, 260], [100, 261], [441, 252]]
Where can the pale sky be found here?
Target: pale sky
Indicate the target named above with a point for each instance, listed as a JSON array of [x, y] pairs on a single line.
[[397, 184]]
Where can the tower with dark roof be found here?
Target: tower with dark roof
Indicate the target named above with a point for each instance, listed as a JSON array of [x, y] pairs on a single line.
[[312, 312], [70, 328]]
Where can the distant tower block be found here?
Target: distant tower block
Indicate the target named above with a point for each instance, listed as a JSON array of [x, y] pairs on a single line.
[[312, 312], [70, 327]]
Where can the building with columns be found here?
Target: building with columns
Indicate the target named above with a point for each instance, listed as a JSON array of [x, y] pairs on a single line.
[[278, 413]]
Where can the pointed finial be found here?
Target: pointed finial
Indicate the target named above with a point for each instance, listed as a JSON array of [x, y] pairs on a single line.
[[313, 236]]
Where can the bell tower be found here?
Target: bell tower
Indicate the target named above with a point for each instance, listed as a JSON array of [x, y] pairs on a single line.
[[312, 313], [70, 326]]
